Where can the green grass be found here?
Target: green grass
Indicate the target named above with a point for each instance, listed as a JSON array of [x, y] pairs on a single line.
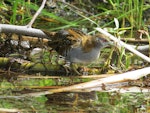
[[129, 14]]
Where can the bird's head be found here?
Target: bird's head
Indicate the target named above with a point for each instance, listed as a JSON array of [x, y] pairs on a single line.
[[102, 41]]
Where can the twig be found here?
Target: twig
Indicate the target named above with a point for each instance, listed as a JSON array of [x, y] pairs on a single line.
[[76, 8], [36, 14], [53, 77], [78, 11], [5, 110], [135, 41], [121, 43]]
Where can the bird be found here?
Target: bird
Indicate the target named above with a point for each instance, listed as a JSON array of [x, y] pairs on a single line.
[[76, 46]]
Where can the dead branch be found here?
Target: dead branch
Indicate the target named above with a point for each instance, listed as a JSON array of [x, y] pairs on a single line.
[[22, 30], [122, 44], [131, 75]]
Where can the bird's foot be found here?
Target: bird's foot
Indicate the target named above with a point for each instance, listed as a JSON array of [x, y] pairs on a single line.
[[71, 69], [84, 70]]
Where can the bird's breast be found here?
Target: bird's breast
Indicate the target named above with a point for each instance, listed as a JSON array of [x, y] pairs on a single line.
[[77, 55]]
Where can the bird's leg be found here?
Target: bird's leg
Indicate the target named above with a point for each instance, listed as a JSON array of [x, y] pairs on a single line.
[[74, 68], [50, 56], [71, 67], [57, 59], [85, 71], [67, 67]]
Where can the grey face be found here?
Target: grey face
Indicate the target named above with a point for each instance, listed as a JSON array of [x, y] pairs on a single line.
[[101, 42]]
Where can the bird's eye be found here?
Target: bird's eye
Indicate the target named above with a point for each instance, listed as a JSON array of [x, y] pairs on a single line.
[[102, 39]]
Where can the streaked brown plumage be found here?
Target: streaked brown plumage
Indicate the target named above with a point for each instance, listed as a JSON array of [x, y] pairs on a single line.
[[76, 46]]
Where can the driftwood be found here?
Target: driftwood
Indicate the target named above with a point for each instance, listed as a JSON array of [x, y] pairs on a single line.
[[128, 76]]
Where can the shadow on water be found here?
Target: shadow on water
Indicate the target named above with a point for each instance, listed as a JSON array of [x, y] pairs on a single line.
[[97, 102], [80, 102]]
